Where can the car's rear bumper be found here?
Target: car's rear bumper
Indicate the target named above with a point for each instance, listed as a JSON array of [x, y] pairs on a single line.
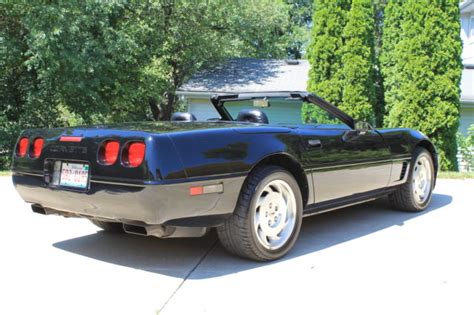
[[156, 203]]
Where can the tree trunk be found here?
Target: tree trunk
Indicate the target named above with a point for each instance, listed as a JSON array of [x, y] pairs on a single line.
[[155, 109], [168, 104]]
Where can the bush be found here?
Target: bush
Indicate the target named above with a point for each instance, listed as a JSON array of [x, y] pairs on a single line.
[[342, 57], [421, 67]]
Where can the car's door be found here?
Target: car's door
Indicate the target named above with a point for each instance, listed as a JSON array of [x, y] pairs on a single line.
[[344, 161]]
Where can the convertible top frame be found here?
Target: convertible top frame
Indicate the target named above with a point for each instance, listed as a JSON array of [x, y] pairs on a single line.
[[218, 101]]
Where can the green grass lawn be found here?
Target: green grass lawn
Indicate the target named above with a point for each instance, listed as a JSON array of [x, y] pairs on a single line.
[[456, 175], [5, 173]]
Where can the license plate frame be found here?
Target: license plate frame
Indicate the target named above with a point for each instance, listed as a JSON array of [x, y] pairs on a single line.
[[71, 175]]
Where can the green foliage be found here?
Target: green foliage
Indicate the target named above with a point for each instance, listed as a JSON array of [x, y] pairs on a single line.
[[81, 62], [195, 34], [421, 67], [325, 50], [455, 175], [379, 109], [84, 55], [466, 147], [357, 73], [318, 116], [299, 27], [25, 102], [342, 56], [258, 28], [399, 57]]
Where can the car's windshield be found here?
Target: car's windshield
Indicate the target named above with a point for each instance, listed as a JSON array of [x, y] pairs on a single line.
[[287, 111]]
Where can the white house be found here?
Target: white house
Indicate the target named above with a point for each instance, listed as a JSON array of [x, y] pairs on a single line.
[[240, 75], [467, 81]]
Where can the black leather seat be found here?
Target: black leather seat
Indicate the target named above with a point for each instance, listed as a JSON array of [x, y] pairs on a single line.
[[179, 116], [252, 115]]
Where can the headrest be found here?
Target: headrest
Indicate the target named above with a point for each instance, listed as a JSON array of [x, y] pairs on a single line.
[[252, 115], [183, 117]]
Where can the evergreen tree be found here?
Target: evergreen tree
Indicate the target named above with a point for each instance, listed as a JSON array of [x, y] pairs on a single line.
[[422, 68], [342, 57], [325, 51], [357, 73]]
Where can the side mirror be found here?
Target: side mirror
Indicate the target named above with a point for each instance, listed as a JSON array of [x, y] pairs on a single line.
[[362, 126]]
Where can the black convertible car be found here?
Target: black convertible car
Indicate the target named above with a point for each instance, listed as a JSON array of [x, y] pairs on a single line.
[[253, 172]]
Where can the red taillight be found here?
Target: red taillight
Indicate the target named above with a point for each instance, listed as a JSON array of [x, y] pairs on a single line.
[[108, 152], [37, 148], [134, 154], [22, 147]]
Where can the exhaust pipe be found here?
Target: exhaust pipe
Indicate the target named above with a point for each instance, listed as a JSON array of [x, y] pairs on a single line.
[[38, 209], [164, 231], [144, 230], [148, 230], [135, 229], [46, 211]]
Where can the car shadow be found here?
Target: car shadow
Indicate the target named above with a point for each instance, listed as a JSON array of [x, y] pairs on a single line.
[[177, 257]]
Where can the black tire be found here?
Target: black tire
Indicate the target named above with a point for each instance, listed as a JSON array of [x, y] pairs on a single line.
[[113, 227], [404, 197], [238, 234]]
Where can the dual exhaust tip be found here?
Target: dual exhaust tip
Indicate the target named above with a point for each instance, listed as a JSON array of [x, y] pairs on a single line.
[[149, 230], [162, 231], [155, 230]]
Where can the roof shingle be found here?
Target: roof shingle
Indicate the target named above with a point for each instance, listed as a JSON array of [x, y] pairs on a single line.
[[239, 75]]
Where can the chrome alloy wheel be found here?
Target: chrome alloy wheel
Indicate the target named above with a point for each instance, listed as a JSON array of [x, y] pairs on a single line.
[[421, 179], [275, 214]]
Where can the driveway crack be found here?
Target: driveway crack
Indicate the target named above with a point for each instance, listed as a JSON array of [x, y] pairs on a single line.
[[206, 253]]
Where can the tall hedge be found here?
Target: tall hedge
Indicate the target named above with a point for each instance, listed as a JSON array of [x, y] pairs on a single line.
[[357, 73], [421, 66], [325, 50], [341, 55]]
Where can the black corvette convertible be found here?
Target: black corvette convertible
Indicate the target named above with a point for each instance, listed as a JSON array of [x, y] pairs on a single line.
[[252, 172]]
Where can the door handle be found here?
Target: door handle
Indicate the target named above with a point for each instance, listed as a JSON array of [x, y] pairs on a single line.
[[315, 143]]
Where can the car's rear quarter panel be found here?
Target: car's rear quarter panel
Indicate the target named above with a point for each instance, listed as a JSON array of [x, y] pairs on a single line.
[[232, 151]]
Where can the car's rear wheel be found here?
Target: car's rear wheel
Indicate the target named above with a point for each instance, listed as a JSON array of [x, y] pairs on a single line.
[[415, 194], [113, 227], [267, 218]]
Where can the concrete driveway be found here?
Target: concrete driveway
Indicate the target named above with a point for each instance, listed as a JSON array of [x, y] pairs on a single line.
[[366, 259]]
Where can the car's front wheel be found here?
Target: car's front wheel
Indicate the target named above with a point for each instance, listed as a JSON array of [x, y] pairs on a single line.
[[415, 194], [267, 218]]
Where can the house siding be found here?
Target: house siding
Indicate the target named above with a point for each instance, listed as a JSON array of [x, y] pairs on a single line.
[[466, 118], [466, 112], [202, 108], [467, 31]]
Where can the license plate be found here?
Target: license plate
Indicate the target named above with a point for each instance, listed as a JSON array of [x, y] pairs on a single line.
[[74, 175]]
